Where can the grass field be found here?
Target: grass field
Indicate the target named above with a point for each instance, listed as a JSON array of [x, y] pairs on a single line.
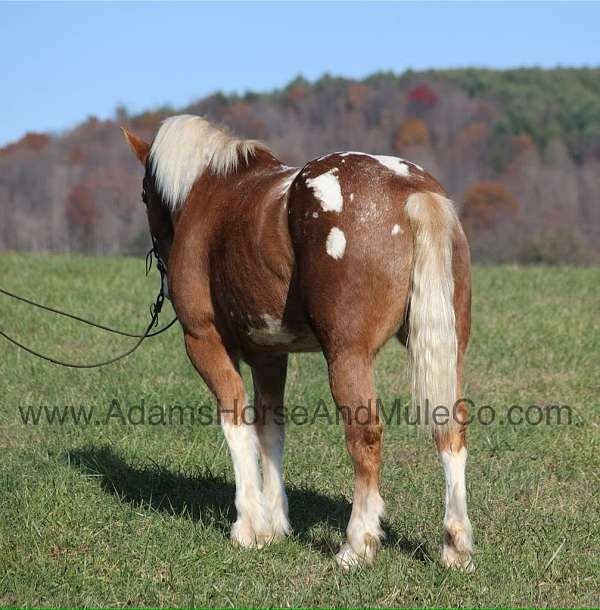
[[138, 515]]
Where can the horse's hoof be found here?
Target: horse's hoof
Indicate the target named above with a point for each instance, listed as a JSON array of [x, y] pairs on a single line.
[[347, 558], [458, 545], [457, 561], [246, 536]]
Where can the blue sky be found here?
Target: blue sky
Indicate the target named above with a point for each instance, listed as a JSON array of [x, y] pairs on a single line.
[[60, 63]]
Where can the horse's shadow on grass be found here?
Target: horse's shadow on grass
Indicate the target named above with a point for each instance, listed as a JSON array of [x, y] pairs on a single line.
[[209, 498]]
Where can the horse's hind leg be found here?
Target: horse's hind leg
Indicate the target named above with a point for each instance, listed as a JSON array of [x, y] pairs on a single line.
[[457, 549], [451, 443], [351, 379], [452, 451], [269, 376]]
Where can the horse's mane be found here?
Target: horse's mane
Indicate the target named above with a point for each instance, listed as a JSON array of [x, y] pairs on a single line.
[[187, 145]]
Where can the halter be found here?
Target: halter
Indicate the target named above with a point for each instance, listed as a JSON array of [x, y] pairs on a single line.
[[162, 269]]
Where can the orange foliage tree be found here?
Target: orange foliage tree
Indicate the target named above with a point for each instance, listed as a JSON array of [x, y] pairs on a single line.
[[82, 215], [30, 141], [412, 132], [485, 203]]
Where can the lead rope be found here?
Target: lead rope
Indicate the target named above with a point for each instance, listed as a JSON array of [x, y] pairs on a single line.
[[154, 310]]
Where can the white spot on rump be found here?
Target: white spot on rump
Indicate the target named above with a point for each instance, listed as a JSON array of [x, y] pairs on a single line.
[[397, 165], [315, 215], [326, 188], [336, 243], [353, 152], [351, 196], [396, 229]]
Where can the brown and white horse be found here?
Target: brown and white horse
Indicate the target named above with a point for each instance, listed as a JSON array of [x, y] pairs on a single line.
[[265, 259]]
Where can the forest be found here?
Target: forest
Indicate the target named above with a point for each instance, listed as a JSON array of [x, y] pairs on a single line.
[[518, 151]]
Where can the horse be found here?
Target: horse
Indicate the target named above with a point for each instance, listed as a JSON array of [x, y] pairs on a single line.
[[264, 259]]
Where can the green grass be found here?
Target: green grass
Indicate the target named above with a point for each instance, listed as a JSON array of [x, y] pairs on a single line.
[[121, 515]]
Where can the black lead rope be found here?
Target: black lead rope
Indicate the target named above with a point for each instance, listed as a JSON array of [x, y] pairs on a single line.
[[108, 329], [73, 365], [154, 311]]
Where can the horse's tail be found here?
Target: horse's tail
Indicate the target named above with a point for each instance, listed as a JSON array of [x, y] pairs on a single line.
[[432, 343]]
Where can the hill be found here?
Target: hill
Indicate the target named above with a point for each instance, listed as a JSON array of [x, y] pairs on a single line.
[[518, 150]]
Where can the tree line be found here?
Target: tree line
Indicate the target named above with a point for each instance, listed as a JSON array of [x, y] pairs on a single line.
[[518, 151]]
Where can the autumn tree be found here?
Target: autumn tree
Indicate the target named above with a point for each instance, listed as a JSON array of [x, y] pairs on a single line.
[[488, 216], [30, 141], [484, 204], [421, 99], [82, 216], [412, 132]]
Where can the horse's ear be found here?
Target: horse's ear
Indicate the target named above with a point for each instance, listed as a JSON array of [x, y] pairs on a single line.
[[139, 148]]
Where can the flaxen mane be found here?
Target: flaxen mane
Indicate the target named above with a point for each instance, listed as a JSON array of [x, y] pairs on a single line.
[[185, 146]]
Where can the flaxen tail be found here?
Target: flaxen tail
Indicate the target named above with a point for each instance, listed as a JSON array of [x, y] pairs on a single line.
[[432, 344]]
